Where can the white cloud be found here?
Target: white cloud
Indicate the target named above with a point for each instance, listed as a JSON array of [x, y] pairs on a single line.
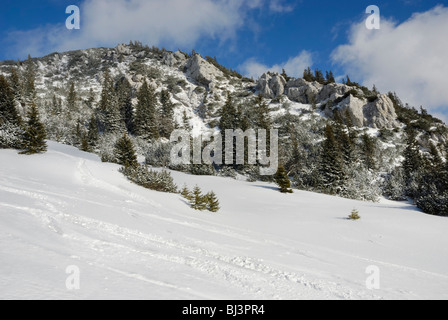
[[174, 23], [155, 22], [279, 6], [409, 58], [293, 67]]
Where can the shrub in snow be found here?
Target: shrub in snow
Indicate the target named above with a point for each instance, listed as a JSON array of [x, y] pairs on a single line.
[[212, 202], [158, 181], [354, 215]]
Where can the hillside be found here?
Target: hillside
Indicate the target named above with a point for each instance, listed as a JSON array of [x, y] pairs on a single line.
[[66, 208], [88, 98]]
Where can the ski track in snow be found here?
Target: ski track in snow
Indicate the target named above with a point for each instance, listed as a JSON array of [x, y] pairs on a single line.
[[250, 275], [101, 244]]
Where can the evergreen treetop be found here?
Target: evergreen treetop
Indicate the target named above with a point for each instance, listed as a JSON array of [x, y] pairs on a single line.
[[35, 133], [125, 152]]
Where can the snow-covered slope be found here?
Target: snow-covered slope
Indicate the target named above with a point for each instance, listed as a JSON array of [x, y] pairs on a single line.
[[66, 208]]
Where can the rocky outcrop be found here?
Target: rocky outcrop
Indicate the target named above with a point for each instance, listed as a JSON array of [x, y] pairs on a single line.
[[302, 91], [201, 71], [381, 113], [333, 91], [334, 96], [173, 59], [123, 49], [271, 85], [353, 107], [377, 114]]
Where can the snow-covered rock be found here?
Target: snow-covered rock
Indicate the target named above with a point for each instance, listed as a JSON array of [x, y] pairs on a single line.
[[201, 71], [301, 91], [271, 85], [174, 59]]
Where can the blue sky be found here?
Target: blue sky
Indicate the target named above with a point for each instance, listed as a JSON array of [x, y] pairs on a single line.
[[252, 35]]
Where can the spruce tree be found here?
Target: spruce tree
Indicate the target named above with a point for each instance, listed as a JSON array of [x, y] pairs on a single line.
[[319, 76], [435, 160], [92, 135], [35, 134], [308, 75], [212, 202], [228, 121], [282, 180], [331, 168], [8, 111], [228, 112], [146, 124], [71, 98], [124, 98], [346, 145], [85, 146], [368, 148], [29, 80], [125, 152], [412, 159], [198, 201], [186, 193], [263, 118], [16, 85], [110, 116], [166, 115], [330, 77]]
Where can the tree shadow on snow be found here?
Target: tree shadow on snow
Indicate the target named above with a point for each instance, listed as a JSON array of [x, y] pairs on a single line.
[[267, 187]]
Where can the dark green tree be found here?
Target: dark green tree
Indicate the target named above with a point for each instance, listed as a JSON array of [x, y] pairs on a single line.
[[412, 158], [368, 148], [186, 193], [16, 85], [35, 133], [92, 132], [146, 120], [109, 112], [212, 202], [125, 152], [329, 77], [8, 111], [308, 75], [29, 80], [282, 180], [124, 100], [166, 115], [331, 167], [71, 98], [199, 200], [319, 76]]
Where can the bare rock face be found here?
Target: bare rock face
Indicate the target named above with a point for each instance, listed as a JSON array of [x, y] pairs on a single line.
[[301, 91], [333, 91], [173, 59], [355, 109], [271, 85], [201, 71], [378, 114], [123, 49], [381, 113]]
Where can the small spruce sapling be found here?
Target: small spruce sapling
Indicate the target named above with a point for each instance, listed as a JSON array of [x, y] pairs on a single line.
[[186, 193], [212, 202], [354, 215], [198, 199], [282, 180]]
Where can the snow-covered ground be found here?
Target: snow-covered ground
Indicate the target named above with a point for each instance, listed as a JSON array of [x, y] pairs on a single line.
[[66, 208]]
